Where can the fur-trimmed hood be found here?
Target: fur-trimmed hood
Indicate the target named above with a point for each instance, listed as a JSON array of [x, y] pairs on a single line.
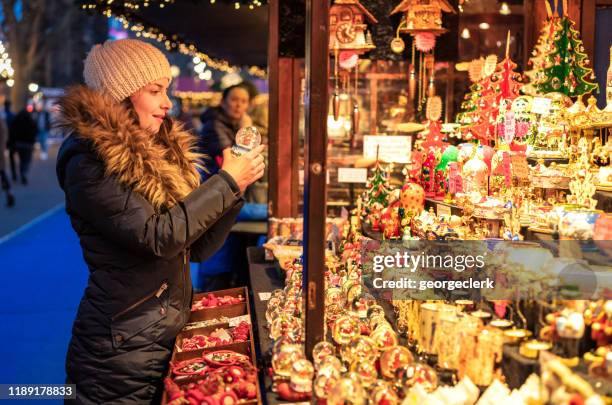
[[161, 168]]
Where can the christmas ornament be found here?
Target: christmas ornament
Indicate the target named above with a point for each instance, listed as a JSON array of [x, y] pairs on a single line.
[[566, 69], [537, 61], [394, 358], [376, 196], [475, 174], [247, 139], [397, 45], [412, 199]]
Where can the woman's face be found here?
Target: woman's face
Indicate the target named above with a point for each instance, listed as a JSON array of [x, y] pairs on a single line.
[[151, 104], [236, 103]]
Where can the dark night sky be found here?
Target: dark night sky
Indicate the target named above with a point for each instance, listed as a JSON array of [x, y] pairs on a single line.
[[239, 36]]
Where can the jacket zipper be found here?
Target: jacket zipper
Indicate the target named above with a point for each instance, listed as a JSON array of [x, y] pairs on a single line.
[[185, 263], [156, 294]]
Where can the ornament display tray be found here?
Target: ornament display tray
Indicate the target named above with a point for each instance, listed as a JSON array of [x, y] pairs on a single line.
[[180, 355], [247, 348], [230, 311]]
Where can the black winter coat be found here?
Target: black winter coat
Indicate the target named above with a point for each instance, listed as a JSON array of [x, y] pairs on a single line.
[[139, 224], [218, 132], [22, 131]]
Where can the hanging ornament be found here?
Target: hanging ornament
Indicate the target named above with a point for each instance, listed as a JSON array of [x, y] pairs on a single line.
[[397, 45], [336, 94], [475, 70], [412, 83], [431, 90], [355, 111], [412, 76], [348, 59], [433, 111], [355, 117], [489, 66], [429, 72], [425, 41], [421, 82]]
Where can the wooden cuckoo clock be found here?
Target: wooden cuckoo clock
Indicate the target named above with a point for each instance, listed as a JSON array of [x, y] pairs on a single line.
[[423, 15], [422, 19], [348, 27]]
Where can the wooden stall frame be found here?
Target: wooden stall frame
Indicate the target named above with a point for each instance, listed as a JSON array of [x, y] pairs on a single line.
[[284, 102], [315, 168]]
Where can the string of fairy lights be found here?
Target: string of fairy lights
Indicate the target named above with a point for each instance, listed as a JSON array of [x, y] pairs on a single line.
[[137, 4], [123, 12], [6, 66]]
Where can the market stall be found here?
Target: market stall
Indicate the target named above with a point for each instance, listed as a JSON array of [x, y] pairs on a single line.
[[519, 179]]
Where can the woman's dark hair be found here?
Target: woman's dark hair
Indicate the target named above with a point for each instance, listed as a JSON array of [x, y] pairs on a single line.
[[242, 85]]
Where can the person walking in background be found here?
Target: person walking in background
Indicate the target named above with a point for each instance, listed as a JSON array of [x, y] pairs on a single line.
[[12, 150], [43, 124], [4, 180], [22, 134], [8, 113]]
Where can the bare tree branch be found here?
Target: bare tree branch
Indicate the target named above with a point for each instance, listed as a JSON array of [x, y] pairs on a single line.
[[52, 35], [34, 35], [9, 15]]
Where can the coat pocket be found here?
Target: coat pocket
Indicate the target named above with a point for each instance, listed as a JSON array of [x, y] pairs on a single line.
[[133, 326]]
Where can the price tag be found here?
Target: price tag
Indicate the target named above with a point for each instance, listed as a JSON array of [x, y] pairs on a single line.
[[264, 296], [443, 210], [352, 175], [540, 105], [455, 183], [506, 170], [391, 149], [509, 127], [520, 168]]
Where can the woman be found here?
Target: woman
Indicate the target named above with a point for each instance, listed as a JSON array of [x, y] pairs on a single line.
[[220, 124], [134, 198]]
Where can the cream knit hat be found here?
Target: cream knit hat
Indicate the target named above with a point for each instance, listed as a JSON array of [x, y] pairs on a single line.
[[121, 67]]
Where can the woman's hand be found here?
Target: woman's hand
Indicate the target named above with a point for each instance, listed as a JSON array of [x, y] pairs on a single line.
[[245, 169]]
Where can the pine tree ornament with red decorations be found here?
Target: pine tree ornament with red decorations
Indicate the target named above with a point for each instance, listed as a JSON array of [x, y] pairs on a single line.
[[477, 117], [507, 83]]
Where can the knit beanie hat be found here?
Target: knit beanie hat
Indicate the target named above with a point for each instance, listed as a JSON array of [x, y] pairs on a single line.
[[119, 68]]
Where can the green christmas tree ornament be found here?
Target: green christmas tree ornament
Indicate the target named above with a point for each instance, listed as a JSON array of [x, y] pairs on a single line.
[[566, 68]]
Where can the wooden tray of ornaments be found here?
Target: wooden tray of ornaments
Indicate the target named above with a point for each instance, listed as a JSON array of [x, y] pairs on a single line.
[[180, 355], [231, 311]]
